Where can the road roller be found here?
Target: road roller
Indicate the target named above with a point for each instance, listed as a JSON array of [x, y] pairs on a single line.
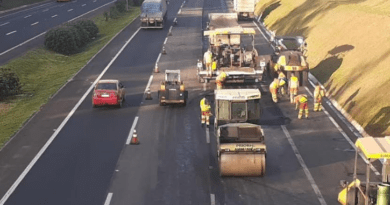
[[241, 150], [367, 192], [172, 90]]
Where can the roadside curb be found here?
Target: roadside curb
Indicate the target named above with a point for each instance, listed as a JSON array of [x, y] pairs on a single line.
[[333, 102], [69, 80]]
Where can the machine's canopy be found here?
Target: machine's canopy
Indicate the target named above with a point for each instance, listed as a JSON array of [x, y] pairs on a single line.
[[374, 148], [172, 75], [237, 94], [231, 31]]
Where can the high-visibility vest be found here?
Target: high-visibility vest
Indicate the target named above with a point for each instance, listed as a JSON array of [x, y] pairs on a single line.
[[273, 85], [318, 92], [294, 83], [214, 66], [281, 75], [302, 99], [203, 106], [208, 57], [282, 82]]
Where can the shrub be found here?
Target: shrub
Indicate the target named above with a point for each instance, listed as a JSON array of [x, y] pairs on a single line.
[[9, 83], [120, 6], [81, 32], [114, 13], [90, 27], [61, 40]]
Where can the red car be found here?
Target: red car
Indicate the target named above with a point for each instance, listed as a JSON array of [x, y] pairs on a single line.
[[108, 92]]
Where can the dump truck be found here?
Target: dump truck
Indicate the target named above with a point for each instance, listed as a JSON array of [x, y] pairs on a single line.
[[172, 89], [241, 150], [289, 57], [233, 51], [153, 14], [245, 9], [358, 192]]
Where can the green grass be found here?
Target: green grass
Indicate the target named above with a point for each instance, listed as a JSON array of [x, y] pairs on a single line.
[[10, 4], [43, 72], [347, 52]]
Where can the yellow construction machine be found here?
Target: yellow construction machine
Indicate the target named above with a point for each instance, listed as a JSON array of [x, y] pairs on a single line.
[[357, 192], [241, 150], [241, 145], [289, 57]]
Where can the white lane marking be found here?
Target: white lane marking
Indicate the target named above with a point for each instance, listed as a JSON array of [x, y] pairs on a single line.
[[174, 19], [45, 10], [25, 10], [10, 33], [46, 31], [108, 199], [303, 165], [263, 35], [35, 23], [158, 58], [344, 134], [84, 5], [92, 10], [27, 16], [70, 10], [170, 29], [54, 135], [149, 82], [132, 131], [165, 40], [94, 1], [208, 135], [4, 24], [179, 11], [212, 199], [54, 16]]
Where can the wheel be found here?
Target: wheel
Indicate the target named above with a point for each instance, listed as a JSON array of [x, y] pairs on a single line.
[[94, 106]]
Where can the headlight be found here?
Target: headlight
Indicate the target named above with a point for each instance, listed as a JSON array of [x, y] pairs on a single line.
[[200, 65], [300, 40], [181, 94]]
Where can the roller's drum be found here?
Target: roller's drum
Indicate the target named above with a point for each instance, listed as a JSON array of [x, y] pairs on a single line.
[[242, 164]]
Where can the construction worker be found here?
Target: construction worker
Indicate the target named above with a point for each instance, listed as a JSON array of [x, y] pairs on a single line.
[[318, 94], [301, 100], [293, 84], [220, 80], [205, 111], [273, 89], [208, 59], [282, 82], [214, 65]]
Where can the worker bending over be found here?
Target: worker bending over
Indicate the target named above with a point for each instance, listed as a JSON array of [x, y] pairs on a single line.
[[318, 95], [293, 84], [205, 111], [220, 80], [301, 100], [273, 89]]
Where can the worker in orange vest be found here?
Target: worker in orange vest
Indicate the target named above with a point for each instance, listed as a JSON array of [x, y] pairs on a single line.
[[318, 95], [301, 100], [205, 111], [273, 89], [220, 80], [293, 84]]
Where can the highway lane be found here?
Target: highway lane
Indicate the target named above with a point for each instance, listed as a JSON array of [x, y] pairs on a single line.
[[85, 152], [20, 26]]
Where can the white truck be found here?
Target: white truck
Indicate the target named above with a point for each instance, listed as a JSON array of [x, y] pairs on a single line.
[[245, 9]]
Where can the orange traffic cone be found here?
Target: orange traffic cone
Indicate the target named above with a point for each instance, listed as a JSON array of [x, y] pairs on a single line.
[[134, 139]]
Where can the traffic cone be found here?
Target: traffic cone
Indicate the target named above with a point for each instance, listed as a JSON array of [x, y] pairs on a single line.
[[148, 95], [163, 50], [134, 139], [156, 69]]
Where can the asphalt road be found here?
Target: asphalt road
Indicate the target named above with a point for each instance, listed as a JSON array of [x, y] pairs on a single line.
[[18, 27], [90, 163]]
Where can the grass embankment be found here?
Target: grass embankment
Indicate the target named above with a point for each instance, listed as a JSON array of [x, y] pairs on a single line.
[[43, 72], [10, 4], [348, 51]]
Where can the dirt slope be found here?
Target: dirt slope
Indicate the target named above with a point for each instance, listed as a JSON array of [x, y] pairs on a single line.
[[349, 51]]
